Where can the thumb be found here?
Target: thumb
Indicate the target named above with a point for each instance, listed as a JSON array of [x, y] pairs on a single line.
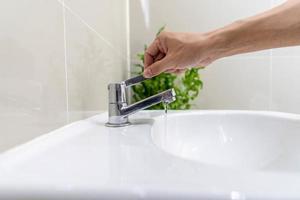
[[157, 68]]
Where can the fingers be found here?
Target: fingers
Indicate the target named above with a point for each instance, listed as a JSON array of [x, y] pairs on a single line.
[[170, 71], [157, 67], [179, 71], [153, 53], [148, 60], [175, 71], [159, 57]]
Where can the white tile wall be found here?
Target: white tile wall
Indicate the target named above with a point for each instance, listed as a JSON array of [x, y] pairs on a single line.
[[285, 77], [40, 84], [96, 50], [32, 83], [236, 84], [286, 84], [249, 81], [56, 61]]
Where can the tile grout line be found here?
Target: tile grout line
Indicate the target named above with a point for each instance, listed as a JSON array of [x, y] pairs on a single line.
[[128, 39], [271, 81], [271, 72], [128, 47], [75, 14], [66, 63]]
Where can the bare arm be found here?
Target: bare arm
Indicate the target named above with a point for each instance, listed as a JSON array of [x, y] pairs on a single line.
[[174, 52]]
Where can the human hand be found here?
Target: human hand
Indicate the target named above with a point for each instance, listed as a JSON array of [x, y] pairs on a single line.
[[175, 52]]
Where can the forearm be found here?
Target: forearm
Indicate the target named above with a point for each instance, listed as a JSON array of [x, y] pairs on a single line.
[[173, 52], [279, 27]]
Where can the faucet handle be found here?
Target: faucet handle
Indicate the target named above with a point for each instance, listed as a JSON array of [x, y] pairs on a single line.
[[134, 80]]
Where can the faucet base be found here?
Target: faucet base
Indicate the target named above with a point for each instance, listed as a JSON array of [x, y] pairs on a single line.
[[117, 125], [117, 121]]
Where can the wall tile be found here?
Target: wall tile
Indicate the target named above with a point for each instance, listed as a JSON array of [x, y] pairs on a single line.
[[32, 81], [96, 51], [287, 52], [286, 84], [236, 84], [285, 77]]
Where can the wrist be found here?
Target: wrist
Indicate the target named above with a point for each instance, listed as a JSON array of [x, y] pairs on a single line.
[[226, 42], [219, 42]]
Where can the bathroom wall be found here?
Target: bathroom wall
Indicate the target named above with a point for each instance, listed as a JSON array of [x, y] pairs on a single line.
[[57, 56], [56, 59], [266, 80]]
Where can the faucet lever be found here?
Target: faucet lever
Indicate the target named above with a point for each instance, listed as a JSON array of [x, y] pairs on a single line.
[[134, 80]]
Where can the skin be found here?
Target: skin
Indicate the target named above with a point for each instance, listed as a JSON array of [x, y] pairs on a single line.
[[175, 52]]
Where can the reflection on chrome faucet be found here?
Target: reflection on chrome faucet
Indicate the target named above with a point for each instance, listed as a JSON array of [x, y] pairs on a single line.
[[118, 108]]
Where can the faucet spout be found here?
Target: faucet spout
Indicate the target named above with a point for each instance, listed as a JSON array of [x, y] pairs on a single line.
[[167, 96]]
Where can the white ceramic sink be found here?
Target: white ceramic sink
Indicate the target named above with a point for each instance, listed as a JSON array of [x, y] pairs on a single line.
[[240, 140], [188, 155]]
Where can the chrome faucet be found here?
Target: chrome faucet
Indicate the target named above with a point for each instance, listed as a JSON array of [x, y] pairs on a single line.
[[118, 108]]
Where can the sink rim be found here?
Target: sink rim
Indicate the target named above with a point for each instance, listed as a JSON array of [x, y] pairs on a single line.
[[249, 112]]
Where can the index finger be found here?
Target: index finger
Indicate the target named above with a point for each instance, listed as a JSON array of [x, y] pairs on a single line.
[[151, 52]]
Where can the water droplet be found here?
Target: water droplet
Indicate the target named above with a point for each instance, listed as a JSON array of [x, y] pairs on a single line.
[[166, 107], [166, 120]]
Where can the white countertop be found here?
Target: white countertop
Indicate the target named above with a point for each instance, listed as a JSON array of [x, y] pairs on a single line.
[[86, 160]]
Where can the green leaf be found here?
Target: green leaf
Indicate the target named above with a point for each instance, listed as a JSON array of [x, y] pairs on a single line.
[[161, 30]]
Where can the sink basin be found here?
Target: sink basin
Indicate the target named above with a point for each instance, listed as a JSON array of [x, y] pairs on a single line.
[[236, 139], [187, 155]]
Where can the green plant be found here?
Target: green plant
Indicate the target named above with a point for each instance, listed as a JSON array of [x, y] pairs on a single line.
[[187, 86]]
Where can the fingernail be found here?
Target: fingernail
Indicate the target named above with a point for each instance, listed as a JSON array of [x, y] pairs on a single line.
[[147, 73]]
